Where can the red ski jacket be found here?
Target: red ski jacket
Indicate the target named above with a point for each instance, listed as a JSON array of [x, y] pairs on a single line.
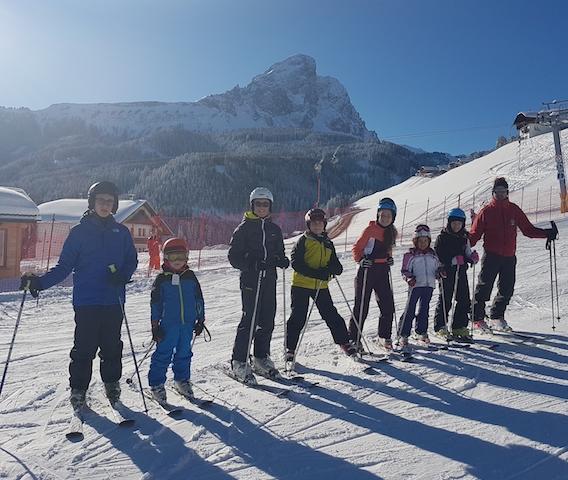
[[498, 222]]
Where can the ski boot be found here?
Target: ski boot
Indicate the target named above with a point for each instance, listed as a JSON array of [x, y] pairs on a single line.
[[159, 393], [112, 390], [462, 334], [482, 326], [349, 349], [423, 338], [289, 356], [443, 334], [499, 325], [403, 346], [183, 387], [78, 398], [242, 372], [386, 343], [265, 367]]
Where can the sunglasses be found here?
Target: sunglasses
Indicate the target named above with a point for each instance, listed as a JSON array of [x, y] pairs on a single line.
[[176, 257], [261, 204]]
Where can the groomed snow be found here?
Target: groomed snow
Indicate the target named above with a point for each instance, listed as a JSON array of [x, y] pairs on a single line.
[[486, 414]]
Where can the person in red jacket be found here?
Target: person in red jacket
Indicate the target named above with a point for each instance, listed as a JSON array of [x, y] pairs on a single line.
[[153, 243], [497, 222]]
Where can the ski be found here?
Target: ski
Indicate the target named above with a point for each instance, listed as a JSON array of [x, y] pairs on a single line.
[[199, 402], [75, 427], [402, 356], [278, 391], [168, 408], [523, 336], [297, 380], [121, 414]]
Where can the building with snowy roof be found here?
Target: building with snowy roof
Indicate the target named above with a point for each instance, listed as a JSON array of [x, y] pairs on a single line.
[[58, 216], [18, 216]]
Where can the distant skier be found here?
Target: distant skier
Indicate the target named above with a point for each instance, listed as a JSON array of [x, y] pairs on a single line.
[[420, 269], [101, 254], [257, 249], [454, 251], [497, 223], [373, 252], [314, 262], [177, 310], [153, 244]]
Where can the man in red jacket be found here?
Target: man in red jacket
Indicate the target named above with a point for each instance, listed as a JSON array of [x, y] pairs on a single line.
[[497, 222]]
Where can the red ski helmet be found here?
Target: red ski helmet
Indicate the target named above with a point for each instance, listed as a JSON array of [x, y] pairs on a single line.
[[174, 245]]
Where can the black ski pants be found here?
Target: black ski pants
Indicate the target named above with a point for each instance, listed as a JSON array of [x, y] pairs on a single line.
[[377, 281], [462, 300], [97, 328], [300, 303], [491, 266], [264, 322]]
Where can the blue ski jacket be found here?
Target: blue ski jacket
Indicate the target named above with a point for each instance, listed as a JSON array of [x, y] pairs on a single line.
[[93, 245]]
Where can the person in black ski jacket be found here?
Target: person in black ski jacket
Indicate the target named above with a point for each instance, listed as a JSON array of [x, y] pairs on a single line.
[[453, 250], [256, 249]]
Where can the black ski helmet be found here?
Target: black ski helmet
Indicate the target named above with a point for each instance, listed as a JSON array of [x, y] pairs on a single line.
[[316, 214], [102, 187]]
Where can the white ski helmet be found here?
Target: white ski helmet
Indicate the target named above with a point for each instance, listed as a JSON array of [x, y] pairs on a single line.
[[261, 193]]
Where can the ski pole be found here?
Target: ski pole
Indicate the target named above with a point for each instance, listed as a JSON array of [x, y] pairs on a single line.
[[472, 296], [363, 339], [444, 307], [393, 304], [400, 324], [13, 337], [359, 321], [454, 296], [254, 312], [548, 247], [284, 309], [305, 326], [146, 355], [133, 353], [556, 279]]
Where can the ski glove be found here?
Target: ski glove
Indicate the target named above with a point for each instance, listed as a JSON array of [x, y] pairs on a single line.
[[115, 278], [366, 262], [281, 262], [474, 257], [157, 332], [442, 273], [30, 282], [458, 260], [322, 274], [390, 261], [199, 326], [411, 281]]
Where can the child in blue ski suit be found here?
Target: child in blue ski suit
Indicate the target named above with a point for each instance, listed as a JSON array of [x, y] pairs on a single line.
[[177, 310]]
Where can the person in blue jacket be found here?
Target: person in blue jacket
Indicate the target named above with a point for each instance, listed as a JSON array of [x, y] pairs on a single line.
[[177, 310], [101, 255]]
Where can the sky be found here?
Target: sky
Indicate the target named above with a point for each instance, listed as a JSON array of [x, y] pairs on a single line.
[[442, 75]]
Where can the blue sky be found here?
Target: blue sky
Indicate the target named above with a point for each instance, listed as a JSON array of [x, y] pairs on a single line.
[[445, 75]]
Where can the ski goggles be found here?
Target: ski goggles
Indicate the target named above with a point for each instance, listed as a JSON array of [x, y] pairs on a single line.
[[500, 190], [176, 256], [422, 231]]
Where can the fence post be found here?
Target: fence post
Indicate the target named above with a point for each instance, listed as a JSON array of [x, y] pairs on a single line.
[[42, 250], [199, 260], [522, 196], [427, 209], [346, 228], [444, 215], [459, 200], [472, 205], [50, 239], [403, 220], [536, 208]]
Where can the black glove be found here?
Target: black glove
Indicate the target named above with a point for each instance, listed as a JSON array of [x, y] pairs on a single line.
[[322, 274], [551, 234], [390, 261], [116, 279], [198, 327], [282, 262], [157, 332], [366, 262], [30, 282]]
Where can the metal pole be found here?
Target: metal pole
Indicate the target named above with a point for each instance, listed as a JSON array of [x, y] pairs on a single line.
[[550, 204], [560, 168], [13, 339], [360, 319], [427, 208], [50, 239], [284, 309], [444, 216], [42, 249], [536, 208]]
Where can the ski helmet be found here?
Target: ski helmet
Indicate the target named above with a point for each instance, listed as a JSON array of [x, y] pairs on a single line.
[[316, 214], [422, 230], [174, 245], [387, 203], [108, 188], [261, 193], [456, 214]]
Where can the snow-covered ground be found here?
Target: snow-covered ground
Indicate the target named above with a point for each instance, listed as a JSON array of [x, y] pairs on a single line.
[[478, 413]]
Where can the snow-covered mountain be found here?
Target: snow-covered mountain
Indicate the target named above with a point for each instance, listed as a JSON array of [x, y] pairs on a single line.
[[290, 94]]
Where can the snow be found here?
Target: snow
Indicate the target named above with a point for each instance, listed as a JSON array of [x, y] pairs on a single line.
[[70, 210], [15, 204], [480, 413]]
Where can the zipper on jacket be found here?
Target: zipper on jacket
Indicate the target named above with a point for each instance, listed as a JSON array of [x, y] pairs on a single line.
[[264, 239], [182, 310]]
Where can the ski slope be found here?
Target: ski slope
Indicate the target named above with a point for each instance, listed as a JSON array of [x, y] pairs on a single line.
[[458, 414]]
